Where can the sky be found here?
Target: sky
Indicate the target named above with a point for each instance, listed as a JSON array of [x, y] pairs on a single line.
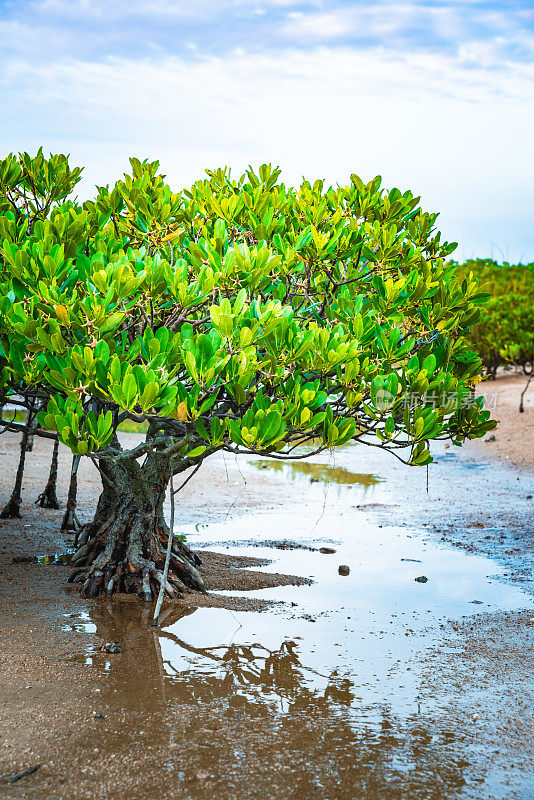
[[437, 96]]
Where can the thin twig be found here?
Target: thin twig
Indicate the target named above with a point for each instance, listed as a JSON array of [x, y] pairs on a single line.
[[186, 480]]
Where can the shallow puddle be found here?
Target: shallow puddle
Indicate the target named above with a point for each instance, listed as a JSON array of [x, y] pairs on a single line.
[[62, 559]]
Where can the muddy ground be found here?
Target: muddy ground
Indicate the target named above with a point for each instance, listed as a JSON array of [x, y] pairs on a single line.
[[434, 702]]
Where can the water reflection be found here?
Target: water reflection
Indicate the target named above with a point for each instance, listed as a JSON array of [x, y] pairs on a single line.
[[189, 672], [256, 673], [325, 473], [257, 722]]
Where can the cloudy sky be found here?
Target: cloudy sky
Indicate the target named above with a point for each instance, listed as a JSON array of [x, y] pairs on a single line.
[[435, 95]]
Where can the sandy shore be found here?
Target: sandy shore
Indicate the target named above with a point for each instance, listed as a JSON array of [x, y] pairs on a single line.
[[514, 435]]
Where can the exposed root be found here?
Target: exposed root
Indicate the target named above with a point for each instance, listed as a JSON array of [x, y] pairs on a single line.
[[70, 521], [112, 559], [77, 575], [147, 592], [48, 498], [144, 578], [11, 510]]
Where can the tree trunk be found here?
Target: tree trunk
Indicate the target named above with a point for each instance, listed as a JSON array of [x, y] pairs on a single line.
[[123, 548], [48, 498], [12, 508], [70, 520], [31, 435], [521, 403]]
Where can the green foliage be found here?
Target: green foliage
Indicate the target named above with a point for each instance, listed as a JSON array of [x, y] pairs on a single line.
[[504, 334], [237, 314]]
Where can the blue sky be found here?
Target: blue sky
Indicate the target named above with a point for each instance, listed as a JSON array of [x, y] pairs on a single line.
[[435, 96]]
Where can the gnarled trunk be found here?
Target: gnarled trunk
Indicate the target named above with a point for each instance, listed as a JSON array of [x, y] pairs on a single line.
[[123, 548]]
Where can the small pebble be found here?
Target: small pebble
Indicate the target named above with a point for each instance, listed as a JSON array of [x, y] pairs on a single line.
[[343, 569], [422, 579], [112, 647]]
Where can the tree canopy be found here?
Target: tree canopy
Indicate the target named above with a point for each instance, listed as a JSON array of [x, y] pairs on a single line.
[[239, 314]]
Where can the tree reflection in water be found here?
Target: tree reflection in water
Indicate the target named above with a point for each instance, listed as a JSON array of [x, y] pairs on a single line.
[[258, 715], [255, 670]]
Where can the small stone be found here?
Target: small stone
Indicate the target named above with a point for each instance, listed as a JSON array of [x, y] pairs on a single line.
[[422, 579], [201, 776], [476, 602], [327, 550], [24, 560], [98, 715], [343, 569], [475, 717], [111, 647], [529, 497]]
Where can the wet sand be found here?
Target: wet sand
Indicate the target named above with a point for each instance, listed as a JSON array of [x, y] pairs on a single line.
[[376, 687]]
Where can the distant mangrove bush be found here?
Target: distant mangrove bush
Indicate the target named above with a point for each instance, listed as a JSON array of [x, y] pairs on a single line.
[[504, 332]]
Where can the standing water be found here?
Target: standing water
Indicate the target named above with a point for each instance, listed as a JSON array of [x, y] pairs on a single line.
[[383, 683]]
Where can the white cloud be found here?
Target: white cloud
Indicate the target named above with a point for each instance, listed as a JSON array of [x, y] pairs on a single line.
[[120, 9], [100, 9], [318, 26], [416, 24]]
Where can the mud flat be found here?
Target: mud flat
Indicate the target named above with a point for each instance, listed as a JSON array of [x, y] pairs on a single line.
[[288, 680]]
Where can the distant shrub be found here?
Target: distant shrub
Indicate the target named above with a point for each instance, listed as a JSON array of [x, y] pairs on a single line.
[[504, 334]]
